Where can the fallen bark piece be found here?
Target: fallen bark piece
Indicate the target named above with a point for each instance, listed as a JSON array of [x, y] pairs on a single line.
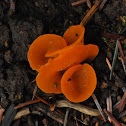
[[78, 107], [22, 113]]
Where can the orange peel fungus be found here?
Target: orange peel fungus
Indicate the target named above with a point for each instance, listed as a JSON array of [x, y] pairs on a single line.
[[48, 79], [40, 46], [51, 55], [79, 82]]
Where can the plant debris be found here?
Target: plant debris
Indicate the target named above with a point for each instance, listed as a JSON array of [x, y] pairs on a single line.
[[21, 22]]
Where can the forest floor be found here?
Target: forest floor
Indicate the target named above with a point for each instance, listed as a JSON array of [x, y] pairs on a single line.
[[21, 22]]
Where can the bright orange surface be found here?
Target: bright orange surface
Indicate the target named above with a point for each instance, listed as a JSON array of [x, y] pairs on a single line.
[[50, 56], [79, 82], [48, 80], [40, 46], [74, 35], [50, 74], [72, 55]]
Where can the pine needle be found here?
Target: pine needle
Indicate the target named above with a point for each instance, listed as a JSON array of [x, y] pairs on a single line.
[[114, 59]]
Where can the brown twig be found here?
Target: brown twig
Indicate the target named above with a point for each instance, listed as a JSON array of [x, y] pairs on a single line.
[[34, 92], [120, 49], [109, 65], [122, 55], [102, 5], [116, 105], [78, 107], [122, 61], [90, 14], [113, 120], [122, 103], [44, 108], [122, 114], [123, 20], [27, 103], [75, 118], [112, 35], [42, 100], [109, 104], [98, 106], [121, 82], [89, 3], [78, 3]]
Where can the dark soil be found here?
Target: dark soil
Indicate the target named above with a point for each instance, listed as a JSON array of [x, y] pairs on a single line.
[[33, 18]]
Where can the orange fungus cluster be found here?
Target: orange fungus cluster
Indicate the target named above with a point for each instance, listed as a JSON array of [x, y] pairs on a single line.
[[57, 60]]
